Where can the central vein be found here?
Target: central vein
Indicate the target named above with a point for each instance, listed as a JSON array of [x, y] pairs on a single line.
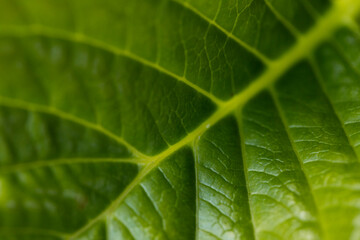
[[338, 15]]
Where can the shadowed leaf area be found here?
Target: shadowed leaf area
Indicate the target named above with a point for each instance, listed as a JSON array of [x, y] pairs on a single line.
[[180, 119]]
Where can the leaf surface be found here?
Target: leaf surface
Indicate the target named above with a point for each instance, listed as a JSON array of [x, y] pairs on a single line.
[[179, 119]]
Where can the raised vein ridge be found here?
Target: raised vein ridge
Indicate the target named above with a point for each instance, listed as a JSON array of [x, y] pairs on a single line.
[[338, 15], [76, 37], [14, 103], [285, 124], [254, 51], [65, 161], [321, 83]]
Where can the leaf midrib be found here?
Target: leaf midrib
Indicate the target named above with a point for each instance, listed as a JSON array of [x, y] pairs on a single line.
[[337, 16]]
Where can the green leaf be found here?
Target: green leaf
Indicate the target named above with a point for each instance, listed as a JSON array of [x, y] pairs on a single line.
[[179, 119]]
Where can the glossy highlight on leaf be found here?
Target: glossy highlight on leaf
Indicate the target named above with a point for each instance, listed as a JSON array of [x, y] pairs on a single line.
[[179, 119]]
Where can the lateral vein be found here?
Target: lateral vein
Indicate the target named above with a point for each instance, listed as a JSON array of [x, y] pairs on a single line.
[[249, 48], [275, 98], [15, 103], [76, 37], [64, 161]]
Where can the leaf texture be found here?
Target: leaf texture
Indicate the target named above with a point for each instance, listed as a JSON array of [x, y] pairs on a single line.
[[179, 119]]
